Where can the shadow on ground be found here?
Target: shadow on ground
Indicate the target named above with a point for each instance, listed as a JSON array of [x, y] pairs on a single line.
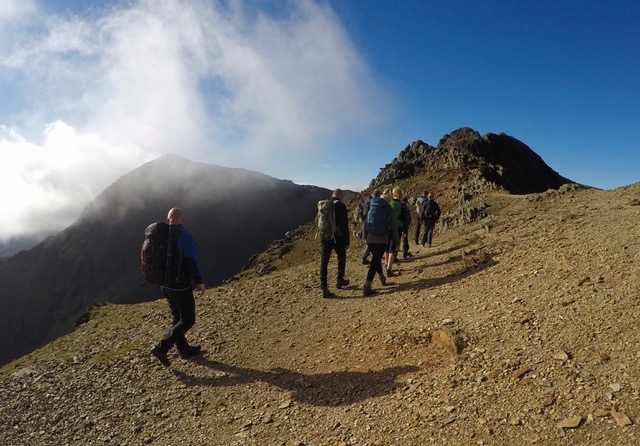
[[324, 389]]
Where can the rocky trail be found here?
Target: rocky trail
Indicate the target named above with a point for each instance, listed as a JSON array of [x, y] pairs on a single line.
[[520, 328]]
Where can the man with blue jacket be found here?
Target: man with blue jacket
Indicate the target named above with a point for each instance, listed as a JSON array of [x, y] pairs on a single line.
[[179, 294]]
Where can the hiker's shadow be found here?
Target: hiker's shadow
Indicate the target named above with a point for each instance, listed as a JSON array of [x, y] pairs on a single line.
[[464, 271], [324, 389]]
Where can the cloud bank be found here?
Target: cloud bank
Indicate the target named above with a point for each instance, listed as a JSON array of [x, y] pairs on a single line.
[[95, 93]]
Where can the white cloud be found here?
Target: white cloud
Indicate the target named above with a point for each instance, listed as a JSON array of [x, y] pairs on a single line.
[[229, 85], [15, 9]]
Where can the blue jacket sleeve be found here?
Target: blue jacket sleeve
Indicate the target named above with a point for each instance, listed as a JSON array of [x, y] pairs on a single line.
[[190, 256]]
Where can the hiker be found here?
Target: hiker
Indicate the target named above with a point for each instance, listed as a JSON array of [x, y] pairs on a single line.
[[380, 225], [339, 243], [179, 294], [430, 216], [406, 213], [420, 200], [364, 209], [392, 250]]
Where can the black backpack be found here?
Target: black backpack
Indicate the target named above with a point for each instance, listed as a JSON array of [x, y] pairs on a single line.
[[160, 256], [431, 210]]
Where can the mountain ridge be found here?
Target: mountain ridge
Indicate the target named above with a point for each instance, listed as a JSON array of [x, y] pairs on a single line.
[[517, 326]]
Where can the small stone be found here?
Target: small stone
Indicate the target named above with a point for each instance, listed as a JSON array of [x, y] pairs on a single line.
[[621, 418], [549, 401], [600, 412], [561, 356], [570, 423], [518, 374], [615, 387], [285, 404]]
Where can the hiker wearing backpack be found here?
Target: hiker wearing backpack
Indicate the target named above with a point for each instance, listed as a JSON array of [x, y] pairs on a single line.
[[333, 228], [178, 290], [406, 216], [420, 200], [430, 216], [380, 225], [392, 250], [365, 210]]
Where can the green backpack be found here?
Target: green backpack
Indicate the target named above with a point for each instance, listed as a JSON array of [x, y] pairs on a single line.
[[396, 206], [326, 219]]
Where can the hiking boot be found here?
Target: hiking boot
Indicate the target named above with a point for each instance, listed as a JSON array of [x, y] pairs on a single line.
[[368, 291], [161, 355], [383, 279], [190, 351], [365, 261], [390, 273], [341, 283], [326, 293]]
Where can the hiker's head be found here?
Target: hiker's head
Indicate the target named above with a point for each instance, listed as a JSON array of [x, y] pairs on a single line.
[[377, 193], [397, 193], [175, 217], [337, 194], [429, 195]]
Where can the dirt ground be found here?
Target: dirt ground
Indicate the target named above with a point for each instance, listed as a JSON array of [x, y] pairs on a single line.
[[520, 328]]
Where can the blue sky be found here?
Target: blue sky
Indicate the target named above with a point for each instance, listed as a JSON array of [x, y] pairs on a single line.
[[316, 91]]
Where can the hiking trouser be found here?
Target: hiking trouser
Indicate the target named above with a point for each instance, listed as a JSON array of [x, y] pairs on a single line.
[[326, 246], [417, 237], [183, 311], [366, 252], [429, 226], [377, 251], [405, 243]]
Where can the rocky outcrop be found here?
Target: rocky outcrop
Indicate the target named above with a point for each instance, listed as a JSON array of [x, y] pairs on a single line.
[[486, 162], [464, 166]]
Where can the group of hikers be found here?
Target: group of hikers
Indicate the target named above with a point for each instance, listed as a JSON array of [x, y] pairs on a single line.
[[385, 220]]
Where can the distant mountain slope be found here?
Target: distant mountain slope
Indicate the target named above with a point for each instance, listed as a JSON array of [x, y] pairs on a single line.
[[232, 213]]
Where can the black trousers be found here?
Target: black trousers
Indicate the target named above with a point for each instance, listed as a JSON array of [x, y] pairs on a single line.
[[417, 234], [427, 235], [183, 313], [377, 251], [326, 247], [405, 242]]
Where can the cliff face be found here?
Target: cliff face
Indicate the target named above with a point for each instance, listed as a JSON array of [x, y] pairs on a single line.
[[232, 213]]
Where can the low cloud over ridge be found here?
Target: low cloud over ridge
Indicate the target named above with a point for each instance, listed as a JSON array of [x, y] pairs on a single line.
[[95, 93]]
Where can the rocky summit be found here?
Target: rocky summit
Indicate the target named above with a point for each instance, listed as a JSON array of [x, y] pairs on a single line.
[[518, 326]]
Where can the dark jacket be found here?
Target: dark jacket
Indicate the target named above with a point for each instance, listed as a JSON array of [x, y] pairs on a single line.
[[431, 211], [342, 222]]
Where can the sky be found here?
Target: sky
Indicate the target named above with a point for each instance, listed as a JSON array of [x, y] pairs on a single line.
[[322, 92]]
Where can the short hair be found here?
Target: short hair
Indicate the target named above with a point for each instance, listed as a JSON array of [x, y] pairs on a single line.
[[337, 193], [377, 193]]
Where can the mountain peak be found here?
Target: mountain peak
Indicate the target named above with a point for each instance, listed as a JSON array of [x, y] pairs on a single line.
[[493, 159]]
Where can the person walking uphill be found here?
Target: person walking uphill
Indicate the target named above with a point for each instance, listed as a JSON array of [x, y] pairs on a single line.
[[379, 226], [179, 293], [430, 216], [334, 239]]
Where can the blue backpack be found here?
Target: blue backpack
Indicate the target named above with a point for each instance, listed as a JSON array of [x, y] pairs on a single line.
[[378, 217]]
